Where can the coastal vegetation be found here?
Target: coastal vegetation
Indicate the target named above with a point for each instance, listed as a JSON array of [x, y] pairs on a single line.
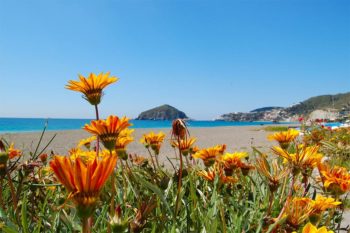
[[299, 185], [275, 128]]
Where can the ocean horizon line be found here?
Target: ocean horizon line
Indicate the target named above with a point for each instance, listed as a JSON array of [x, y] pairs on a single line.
[[18, 125]]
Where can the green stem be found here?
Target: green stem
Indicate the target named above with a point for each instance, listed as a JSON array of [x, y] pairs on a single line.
[[179, 182], [112, 207], [150, 154], [287, 200], [187, 162], [270, 203], [222, 215], [125, 184], [12, 188], [1, 198], [331, 214], [131, 175], [283, 188], [157, 162], [98, 138], [85, 225]]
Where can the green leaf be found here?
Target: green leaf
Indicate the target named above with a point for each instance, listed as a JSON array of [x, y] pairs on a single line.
[[156, 190], [7, 229], [24, 219]]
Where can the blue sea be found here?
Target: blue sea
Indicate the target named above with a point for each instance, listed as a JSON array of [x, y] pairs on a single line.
[[14, 125]]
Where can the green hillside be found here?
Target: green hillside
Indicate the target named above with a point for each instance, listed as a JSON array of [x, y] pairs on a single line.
[[339, 102], [164, 112]]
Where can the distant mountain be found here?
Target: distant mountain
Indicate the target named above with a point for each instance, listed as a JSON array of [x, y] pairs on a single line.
[[264, 109], [324, 106], [338, 102], [164, 112]]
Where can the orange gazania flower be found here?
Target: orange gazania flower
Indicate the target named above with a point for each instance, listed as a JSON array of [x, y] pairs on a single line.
[[83, 180], [13, 152], [6, 154], [336, 179], [92, 86], [185, 145], [234, 161], [309, 228], [285, 137], [195, 149], [305, 159], [209, 155], [108, 130], [138, 160], [214, 172], [273, 173], [298, 211], [220, 148], [153, 140]]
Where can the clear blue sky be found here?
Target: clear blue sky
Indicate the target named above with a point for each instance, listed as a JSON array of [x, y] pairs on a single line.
[[203, 57]]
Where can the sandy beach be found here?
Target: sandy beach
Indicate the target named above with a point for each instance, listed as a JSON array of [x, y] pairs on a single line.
[[236, 138]]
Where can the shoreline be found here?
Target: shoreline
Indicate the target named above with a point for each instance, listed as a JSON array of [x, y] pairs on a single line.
[[33, 125], [286, 124]]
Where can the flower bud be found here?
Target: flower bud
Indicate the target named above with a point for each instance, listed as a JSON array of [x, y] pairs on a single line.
[[43, 158], [179, 128], [4, 156], [117, 223], [122, 154]]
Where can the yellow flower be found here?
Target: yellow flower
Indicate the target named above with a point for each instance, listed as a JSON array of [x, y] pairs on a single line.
[[185, 145], [284, 138], [322, 203], [232, 161], [92, 86], [75, 153], [108, 130], [305, 159], [273, 175], [153, 140], [336, 179], [87, 142], [209, 155], [123, 140], [83, 180], [309, 228]]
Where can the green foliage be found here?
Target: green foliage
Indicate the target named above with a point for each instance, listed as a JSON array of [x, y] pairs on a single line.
[[338, 101], [147, 199], [274, 128]]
